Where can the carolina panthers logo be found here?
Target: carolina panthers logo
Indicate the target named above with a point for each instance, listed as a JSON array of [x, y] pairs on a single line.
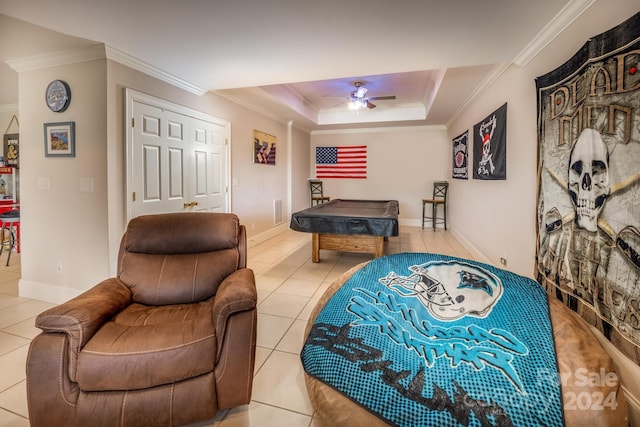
[[450, 290], [473, 281]]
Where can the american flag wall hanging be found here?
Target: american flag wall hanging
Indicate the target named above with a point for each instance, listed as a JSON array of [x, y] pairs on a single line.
[[347, 161]]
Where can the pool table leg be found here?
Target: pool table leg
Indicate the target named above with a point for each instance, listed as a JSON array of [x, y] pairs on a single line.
[[379, 246], [315, 247]]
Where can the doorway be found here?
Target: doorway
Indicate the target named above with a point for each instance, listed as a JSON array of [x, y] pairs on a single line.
[[177, 159]]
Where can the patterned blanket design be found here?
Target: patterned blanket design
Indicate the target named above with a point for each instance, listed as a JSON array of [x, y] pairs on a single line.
[[431, 340]]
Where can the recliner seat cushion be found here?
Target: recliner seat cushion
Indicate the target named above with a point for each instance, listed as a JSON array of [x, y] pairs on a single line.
[[147, 346]]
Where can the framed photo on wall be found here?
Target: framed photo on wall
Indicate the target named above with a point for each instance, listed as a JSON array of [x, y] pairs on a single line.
[[264, 148], [11, 149], [60, 139]]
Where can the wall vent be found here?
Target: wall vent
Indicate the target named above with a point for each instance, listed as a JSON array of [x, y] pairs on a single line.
[[277, 212]]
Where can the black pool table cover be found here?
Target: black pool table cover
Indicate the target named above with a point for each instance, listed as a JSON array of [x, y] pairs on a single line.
[[339, 216]]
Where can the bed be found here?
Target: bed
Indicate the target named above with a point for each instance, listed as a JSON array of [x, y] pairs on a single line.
[[348, 225], [540, 365]]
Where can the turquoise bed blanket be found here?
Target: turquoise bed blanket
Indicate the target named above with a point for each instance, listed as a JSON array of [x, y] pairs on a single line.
[[430, 340]]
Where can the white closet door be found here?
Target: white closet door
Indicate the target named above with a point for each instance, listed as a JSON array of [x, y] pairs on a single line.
[[176, 162], [158, 160], [209, 166]]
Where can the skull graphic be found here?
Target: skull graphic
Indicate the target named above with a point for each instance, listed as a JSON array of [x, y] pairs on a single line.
[[589, 178]]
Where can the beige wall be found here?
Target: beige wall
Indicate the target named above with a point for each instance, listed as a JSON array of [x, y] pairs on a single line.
[[64, 230], [6, 114], [300, 149], [402, 164]]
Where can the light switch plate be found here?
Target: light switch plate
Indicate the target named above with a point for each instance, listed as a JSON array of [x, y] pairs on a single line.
[[86, 185]]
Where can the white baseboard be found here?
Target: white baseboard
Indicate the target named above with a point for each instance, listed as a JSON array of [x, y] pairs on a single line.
[[266, 235], [468, 245], [46, 292], [415, 222]]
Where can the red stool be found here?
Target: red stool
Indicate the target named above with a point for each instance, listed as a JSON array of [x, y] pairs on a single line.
[[10, 233]]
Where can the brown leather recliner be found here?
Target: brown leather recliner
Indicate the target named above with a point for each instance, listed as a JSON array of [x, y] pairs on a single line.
[[168, 341]]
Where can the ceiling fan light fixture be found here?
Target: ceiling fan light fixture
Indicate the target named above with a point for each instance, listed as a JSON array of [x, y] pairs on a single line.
[[360, 92], [356, 103]]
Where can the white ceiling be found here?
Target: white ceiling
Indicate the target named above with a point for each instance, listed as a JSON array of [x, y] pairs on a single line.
[[297, 59]]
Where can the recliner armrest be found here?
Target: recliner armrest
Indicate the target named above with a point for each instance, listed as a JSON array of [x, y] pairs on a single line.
[[83, 315], [236, 293]]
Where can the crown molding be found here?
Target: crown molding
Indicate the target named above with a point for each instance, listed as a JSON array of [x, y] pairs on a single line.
[[556, 26], [8, 108], [71, 56], [386, 129], [138, 65], [95, 52], [489, 79]]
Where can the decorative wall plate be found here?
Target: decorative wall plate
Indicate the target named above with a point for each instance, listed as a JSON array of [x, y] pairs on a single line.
[[58, 96]]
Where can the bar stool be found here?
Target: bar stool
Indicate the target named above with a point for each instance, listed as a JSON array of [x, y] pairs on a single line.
[[439, 198], [317, 196], [10, 233]]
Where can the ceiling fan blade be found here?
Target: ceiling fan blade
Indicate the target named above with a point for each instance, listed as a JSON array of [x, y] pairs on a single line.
[[370, 105], [376, 98]]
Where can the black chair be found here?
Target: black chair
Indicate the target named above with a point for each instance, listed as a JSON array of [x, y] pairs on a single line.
[[440, 189], [317, 195]]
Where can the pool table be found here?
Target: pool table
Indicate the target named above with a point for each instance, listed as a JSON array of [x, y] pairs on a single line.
[[348, 225]]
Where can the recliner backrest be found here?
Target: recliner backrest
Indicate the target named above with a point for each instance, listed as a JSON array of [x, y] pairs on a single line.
[[179, 258]]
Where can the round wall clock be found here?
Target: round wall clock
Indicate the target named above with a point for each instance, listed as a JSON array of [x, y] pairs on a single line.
[[58, 96]]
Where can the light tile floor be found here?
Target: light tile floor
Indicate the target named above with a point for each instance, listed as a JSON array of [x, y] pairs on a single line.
[[289, 285]]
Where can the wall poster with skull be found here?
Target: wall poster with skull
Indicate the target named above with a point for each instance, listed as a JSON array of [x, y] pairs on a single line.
[[588, 238]]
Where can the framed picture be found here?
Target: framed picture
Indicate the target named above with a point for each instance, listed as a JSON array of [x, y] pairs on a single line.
[[11, 150], [264, 148], [60, 139]]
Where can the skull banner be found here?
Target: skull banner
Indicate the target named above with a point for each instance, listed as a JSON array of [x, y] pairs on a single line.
[[589, 184], [490, 146]]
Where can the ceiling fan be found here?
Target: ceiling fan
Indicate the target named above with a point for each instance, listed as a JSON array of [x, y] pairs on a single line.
[[358, 98]]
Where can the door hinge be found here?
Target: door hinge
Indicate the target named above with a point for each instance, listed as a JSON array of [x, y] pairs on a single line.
[[133, 196], [133, 122]]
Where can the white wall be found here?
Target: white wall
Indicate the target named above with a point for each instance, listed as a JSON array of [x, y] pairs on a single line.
[[63, 230], [6, 114], [300, 148], [402, 164]]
